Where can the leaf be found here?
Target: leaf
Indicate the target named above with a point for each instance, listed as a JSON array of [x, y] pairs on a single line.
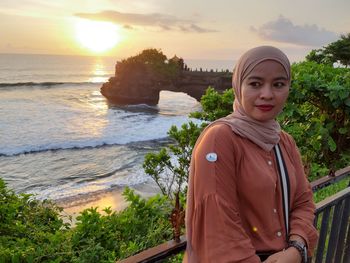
[[343, 130], [331, 143]]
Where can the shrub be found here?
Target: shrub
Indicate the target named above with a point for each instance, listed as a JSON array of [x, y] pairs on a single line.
[[106, 237], [215, 105], [318, 113], [31, 230]]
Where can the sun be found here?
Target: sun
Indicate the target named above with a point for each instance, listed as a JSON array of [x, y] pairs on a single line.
[[97, 36]]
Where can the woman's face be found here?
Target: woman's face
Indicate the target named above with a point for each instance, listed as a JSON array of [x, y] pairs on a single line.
[[265, 91]]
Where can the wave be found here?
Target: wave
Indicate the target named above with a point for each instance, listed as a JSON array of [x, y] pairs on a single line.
[[47, 84], [136, 108], [88, 145]]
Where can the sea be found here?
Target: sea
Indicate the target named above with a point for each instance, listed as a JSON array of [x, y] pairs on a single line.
[[59, 137]]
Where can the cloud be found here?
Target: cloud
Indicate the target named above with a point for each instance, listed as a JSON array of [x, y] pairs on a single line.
[[130, 20], [283, 30], [198, 29]]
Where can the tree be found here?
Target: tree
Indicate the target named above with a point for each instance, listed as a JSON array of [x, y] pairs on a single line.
[[169, 168], [152, 60], [318, 56], [151, 56], [338, 51]]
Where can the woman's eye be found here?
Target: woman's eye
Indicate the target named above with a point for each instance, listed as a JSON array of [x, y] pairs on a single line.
[[279, 84], [255, 84]]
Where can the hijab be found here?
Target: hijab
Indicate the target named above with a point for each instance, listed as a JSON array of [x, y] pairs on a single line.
[[264, 134]]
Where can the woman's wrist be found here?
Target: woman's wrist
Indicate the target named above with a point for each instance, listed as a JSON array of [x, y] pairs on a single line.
[[298, 245], [293, 252]]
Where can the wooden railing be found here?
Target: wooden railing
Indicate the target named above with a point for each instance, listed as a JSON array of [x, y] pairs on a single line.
[[332, 219], [329, 179]]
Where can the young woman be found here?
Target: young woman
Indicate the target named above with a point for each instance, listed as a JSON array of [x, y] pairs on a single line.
[[235, 205]]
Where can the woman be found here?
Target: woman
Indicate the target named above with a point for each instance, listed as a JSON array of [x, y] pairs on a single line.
[[235, 209]]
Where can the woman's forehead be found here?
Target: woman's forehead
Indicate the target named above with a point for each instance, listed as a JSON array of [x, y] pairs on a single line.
[[267, 68]]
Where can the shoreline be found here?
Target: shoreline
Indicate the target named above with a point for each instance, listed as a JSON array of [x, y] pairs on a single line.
[[113, 198]]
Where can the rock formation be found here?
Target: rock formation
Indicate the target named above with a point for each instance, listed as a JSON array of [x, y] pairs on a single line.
[[139, 80]]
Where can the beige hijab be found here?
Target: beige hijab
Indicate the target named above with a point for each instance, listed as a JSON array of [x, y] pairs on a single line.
[[264, 134]]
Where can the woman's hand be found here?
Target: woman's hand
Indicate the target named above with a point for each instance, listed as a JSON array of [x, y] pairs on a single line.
[[290, 255]]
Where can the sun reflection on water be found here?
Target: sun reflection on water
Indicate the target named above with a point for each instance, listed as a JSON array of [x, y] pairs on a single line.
[[99, 72], [98, 102]]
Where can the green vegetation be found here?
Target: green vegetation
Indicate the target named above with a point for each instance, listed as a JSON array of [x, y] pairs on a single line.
[[331, 189], [33, 231], [150, 60], [318, 113], [215, 105], [170, 175], [143, 224], [30, 230]]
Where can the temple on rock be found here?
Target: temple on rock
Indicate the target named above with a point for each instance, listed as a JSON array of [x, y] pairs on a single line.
[[139, 79]]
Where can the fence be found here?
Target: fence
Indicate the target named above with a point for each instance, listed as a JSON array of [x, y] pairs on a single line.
[[332, 219]]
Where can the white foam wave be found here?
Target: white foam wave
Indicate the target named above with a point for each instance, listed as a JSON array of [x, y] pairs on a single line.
[[126, 178], [117, 132]]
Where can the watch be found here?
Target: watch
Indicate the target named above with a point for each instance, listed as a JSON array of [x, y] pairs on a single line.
[[301, 247]]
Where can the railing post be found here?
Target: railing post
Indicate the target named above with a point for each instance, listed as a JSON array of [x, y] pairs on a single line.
[[342, 231], [323, 235], [333, 237]]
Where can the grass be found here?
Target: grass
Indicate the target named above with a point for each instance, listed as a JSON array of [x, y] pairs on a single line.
[[331, 189]]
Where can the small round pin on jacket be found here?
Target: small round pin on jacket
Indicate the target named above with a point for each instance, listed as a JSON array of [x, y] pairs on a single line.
[[211, 157]]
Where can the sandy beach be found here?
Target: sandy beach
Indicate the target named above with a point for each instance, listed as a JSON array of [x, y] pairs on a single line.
[[112, 198]]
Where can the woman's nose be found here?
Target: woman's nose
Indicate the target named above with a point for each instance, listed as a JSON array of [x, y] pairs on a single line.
[[266, 92]]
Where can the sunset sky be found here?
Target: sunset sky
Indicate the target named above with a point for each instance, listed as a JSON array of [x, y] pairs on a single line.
[[193, 29]]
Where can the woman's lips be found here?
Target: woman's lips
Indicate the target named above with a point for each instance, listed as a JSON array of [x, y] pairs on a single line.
[[265, 107]]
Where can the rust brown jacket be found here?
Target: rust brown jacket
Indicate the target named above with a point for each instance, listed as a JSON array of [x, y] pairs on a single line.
[[234, 202]]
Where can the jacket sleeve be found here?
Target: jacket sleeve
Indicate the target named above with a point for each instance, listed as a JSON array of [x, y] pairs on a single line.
[[215, 232], [302, 205]]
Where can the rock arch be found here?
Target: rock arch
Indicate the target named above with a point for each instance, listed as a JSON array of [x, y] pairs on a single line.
[[143, 86]]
